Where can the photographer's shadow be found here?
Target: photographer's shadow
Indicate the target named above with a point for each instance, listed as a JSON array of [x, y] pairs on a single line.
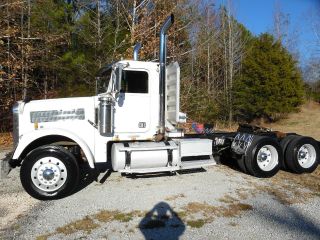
[[162, 223]]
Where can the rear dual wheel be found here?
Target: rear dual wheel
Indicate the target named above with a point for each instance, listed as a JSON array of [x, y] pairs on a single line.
[[263, 157], [284, 145], [302, 154]]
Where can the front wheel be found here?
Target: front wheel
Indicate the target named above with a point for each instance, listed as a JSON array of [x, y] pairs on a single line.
[[49, 172]]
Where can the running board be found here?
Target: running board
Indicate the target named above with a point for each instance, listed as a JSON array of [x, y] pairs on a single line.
[[150, 170], [184, 165], [197, 164]]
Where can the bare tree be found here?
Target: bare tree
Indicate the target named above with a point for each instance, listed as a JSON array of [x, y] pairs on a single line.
[[284, 32], [233, 44]]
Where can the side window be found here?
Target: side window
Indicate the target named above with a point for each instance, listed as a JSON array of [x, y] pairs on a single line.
[[134, 82]]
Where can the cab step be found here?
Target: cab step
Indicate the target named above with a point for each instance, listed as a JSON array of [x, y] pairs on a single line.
[[198, 164], [150, 170]]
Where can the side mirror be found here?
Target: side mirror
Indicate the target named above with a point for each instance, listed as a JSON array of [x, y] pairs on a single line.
[[117, 84]]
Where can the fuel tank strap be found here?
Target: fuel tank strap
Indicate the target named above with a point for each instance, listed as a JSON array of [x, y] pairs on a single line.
[[169, 153], [128, 156]]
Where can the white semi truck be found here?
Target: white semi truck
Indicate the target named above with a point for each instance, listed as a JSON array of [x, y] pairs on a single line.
[[133, 126]]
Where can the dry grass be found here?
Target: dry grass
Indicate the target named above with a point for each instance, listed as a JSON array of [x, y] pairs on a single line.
[[235, 209], [89, 223], [196, 223], [305, 122], [44, 237], [227, 199], [123, 217], [6, 140], [174, 197], [86, 224], [108, 216], [197, 214], [105, 216]]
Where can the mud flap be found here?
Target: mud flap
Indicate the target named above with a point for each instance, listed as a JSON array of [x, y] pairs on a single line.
[[5, 167]]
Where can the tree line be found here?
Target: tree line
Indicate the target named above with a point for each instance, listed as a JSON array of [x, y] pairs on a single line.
[[54, 48]]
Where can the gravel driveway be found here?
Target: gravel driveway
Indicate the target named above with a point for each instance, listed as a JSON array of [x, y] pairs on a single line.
[[216, 203]]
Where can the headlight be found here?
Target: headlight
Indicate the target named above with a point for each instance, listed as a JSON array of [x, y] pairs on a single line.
[[15, 112]]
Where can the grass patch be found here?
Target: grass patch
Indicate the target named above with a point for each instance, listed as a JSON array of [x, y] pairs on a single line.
[[181, 214], [208, 212], [123, 217], [105, 216], [227, 199], [317, 194], [44, 237], [196, 207], [235, 209], [174, 197], [108, 216], [86, 224], [196, 223]]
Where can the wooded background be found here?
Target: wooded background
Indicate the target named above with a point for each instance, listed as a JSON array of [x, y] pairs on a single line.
[[54, 48]]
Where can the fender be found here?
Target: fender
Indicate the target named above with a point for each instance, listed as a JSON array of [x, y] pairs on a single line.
[[28, 138]]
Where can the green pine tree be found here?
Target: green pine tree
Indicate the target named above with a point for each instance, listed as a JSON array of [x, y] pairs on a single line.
[[270, 85]]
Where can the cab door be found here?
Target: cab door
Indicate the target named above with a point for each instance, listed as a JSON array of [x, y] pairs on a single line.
[[132, 109]]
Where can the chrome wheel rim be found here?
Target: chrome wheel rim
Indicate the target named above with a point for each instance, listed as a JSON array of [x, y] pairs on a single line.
[[49, 174], [306, 155], [267, 158]]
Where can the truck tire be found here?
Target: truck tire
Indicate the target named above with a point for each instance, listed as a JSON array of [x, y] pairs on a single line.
[[263, 157], [302, 155], [241, 164], [284, 145], [49, 172]]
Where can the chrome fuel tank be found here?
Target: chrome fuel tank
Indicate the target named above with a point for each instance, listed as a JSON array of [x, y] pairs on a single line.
[[143, 155]]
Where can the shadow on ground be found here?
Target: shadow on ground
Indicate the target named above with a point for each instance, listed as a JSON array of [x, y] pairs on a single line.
[[161, 222], [293, 220], [89, 175]]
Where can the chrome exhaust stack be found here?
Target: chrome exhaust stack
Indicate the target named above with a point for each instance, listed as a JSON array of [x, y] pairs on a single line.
[[136, 51], [162, 76]]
